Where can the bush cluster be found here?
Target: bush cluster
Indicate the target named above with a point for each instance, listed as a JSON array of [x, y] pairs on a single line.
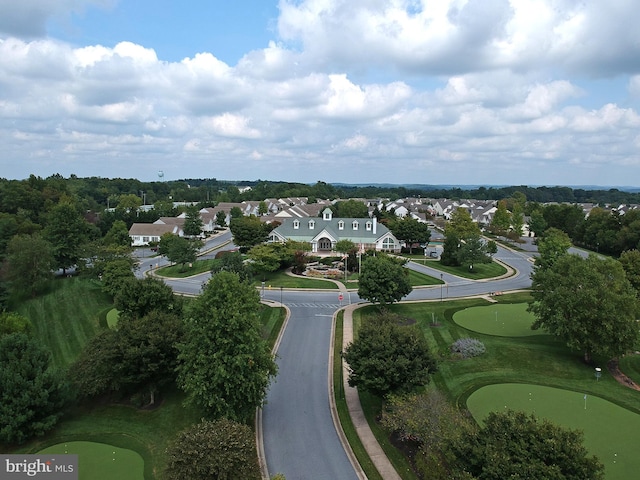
[[467, 347]]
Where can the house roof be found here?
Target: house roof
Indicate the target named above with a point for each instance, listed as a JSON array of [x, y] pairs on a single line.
[[312, 229], [151, 229]]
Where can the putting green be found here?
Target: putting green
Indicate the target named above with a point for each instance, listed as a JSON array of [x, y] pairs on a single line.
[[504, 320], [112, 318], [99, 461], [612, 433]]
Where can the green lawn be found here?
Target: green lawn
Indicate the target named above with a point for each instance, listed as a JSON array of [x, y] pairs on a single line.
[[479, 272], [180, 271], [99, 461], [279, 279], [539, 359], [505, 320], [67, 317], [610, 432]]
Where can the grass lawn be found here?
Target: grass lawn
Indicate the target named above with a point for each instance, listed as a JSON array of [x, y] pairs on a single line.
[[504, 320], [180, 271], [113, 316], [67, 317], [418, 279], [630, 365], [479, 272], [538, 359], [99, 461], [611, 433], [281, 279]]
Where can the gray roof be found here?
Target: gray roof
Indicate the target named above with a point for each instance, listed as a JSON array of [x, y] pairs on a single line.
[[331, 228]]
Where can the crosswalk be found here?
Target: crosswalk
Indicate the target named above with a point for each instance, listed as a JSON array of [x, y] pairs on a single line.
[[333, 306]]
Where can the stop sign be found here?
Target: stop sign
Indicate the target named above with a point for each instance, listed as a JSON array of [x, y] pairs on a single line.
[[340, 297]]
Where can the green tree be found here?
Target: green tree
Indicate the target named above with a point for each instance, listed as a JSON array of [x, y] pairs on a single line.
[[228, 261], [32, 395], [350, 209], [630, 261], [411, 231], [262, 208], [472, 251], [118, 235], [386, 358], [221, 449], [501, 221], [432, 422], [345, 246], [67, 231], [537, 223], [221, 219], [462, 225], [235, 212], [516, 445], [383, 280], [114, 275], [266, 258], [225, 365], [588, 303], [136, 298], [140, 356], [11, 322], [179, 250], [551, 247], [129, 201], [193, 223], [29, 264], [517, 221], [249, 231]]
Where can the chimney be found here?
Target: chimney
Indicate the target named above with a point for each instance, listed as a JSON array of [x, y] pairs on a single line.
[[375, 225]]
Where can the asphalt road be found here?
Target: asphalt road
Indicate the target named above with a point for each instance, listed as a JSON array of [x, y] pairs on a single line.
[[300, 440]]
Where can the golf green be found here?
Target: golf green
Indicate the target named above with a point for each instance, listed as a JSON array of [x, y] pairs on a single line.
[[99, 461], [612, 433], [112, 317], [504, 320]]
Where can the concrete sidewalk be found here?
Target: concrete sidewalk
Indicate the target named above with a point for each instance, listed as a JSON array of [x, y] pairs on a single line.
[[368, 439]]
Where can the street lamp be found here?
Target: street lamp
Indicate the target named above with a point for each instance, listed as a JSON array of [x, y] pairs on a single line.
[[441, 283], [280, 295]]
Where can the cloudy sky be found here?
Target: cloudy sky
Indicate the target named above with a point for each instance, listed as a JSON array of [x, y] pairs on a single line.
[[493, 92]]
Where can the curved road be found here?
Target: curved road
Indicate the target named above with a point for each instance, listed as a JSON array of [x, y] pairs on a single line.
[[300, 440]]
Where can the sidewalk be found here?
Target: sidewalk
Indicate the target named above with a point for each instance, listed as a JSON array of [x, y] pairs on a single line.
[[371, 445]]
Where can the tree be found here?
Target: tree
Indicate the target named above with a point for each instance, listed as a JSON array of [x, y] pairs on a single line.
[[462, 225], [136, 298], [262, 208], [32, 395], [141, 355], [537, 223], [472, 251], [67, 231], [517, 221], [228, 261], [178, 250], [460, 229], [516, 445], [386, 358], [193, 223], [235, 212], [222, 449], [11, 322], [501, 220], [588, 303], [630, 261], [350, 209], [221, 219], [383, 280], [118, 235], [432, 422], [266, 258], [224, 364], [114, 275], [345, 246], [29, 264], [551, 247], [248, 231], [411, 231]]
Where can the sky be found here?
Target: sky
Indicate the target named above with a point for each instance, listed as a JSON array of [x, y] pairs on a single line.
[[440, 92]]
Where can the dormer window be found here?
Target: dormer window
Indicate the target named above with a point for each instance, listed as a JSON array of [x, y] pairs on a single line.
[[340, 225], [354, 225], [296, 224], [368, 226], [312, 224]]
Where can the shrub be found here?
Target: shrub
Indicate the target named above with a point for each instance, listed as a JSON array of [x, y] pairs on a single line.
[[467, 347]]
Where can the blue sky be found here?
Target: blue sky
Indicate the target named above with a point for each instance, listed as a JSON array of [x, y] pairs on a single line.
[[536, 92]]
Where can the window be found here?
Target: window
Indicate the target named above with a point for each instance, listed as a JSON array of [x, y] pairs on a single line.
[[368, 226], [354, 225], [296, 224], [388, 244], [312, 224], [145, 239], [340, 225]]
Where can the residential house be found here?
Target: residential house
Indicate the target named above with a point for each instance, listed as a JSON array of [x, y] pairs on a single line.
[[144, 233]]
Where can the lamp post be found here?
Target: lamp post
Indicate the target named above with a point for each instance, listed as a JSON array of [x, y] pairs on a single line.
[[280, 295], [441, 283]]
